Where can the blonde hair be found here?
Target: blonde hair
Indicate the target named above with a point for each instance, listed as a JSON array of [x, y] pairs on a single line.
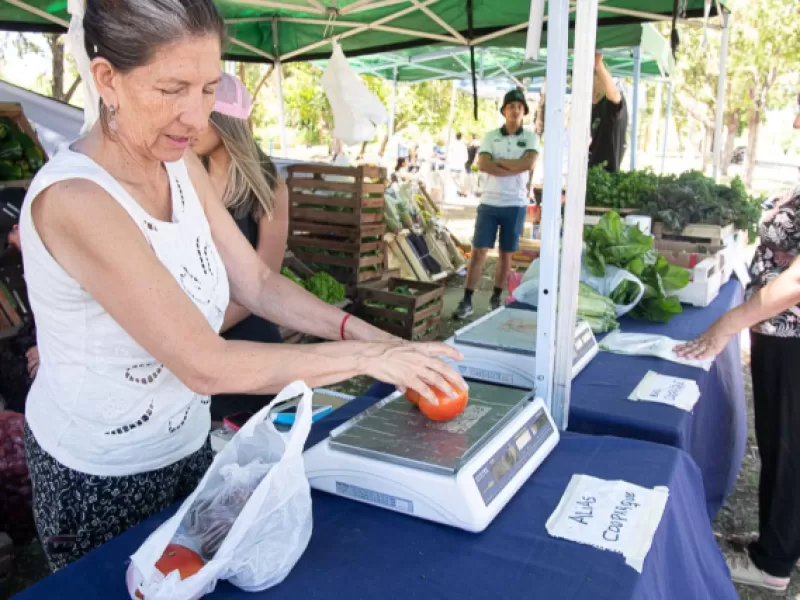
[[251, 176]]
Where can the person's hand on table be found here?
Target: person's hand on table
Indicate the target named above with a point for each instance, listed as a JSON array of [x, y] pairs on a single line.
[[707, 345], [416, 366]]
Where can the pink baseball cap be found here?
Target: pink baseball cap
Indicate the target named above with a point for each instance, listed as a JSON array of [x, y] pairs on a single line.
[[232, 98]]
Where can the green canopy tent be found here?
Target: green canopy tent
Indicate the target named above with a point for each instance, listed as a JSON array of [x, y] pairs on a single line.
[[289, 30], [303, 29], [638, 52]]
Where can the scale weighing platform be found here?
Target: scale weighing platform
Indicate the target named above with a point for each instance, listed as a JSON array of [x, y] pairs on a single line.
[[501, 348], [460, 473]]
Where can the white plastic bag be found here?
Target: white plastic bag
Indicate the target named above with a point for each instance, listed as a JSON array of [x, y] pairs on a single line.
[[272, 530], [647, 344], [614, 277], [528, 290], [356, 110]]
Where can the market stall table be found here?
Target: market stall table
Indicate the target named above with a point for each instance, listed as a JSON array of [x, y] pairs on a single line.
[[714, 433], [360, 551]]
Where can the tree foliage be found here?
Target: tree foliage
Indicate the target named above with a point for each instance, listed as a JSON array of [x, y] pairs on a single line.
[[762, 70]]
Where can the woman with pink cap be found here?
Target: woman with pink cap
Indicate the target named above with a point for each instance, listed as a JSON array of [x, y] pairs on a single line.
[[258, 200]]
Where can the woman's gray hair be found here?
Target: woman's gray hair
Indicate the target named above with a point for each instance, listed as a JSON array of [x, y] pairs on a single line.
[[128, 32]]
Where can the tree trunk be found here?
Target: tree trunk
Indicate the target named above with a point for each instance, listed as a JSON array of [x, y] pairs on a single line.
[[363, 151], [72, 88], [708, 145], [57, 52], [753, 125], [732, 124], [241, 73], [384, 143]]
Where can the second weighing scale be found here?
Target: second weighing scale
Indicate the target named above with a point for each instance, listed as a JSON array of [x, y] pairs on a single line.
[[501, 348], [460, 473]]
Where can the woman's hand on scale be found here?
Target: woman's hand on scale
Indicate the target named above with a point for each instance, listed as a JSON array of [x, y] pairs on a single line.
[[416, 366]]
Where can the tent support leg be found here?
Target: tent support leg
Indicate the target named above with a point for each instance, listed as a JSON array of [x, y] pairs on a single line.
[[637, 76], [723, 60], [281, 106], [394, 106], [577, 167], [450, 121], [666, 127], [557, 51]]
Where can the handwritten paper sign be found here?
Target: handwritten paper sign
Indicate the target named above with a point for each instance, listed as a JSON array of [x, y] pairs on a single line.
[[610, 515], [674, 391]]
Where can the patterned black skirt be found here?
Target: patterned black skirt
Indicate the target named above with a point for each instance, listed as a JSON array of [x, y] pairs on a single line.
[[76, 512]]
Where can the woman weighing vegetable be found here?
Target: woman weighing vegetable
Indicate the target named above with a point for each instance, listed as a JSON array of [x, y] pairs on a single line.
[[772, 312], [248, 183], [131, 259]]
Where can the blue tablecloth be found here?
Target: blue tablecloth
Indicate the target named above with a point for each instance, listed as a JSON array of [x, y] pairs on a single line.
[[359, 551], [714, 434]]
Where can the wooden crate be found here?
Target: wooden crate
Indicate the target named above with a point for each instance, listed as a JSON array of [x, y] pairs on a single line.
[[696, 233], [336, 220], [14, 112], [418, 316]]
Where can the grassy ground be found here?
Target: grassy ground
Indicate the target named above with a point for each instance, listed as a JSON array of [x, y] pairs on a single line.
[[738, 517]]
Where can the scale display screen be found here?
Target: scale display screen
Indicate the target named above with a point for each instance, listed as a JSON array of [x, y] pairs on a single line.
[[493, 476]]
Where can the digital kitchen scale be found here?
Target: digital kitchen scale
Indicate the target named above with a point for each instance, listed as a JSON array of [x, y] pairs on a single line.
[[460, 473], [501, 348]]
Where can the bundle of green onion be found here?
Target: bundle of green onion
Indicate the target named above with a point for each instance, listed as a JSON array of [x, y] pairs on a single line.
[[597, 310]]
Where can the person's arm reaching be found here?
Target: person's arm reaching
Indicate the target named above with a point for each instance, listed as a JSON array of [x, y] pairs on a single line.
[[778, 295], [605, 80], [95, 241], [271, 247]]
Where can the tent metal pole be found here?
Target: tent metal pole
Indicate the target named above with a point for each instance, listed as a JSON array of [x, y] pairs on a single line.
[[394, 105], [38, 12], [653, 16], [637, 75], [723, 60], [577, 167], [666, 127], [450, 121], [281, 106], [557, 52]]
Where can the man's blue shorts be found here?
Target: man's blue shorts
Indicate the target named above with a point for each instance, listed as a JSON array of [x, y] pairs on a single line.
[[508, 219]]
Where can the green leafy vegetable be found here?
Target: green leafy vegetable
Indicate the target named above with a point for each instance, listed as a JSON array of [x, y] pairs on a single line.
[[291, 276], [611, 242], [325, 287]]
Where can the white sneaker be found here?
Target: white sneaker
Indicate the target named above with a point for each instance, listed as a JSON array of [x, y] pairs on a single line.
[[744, 571]]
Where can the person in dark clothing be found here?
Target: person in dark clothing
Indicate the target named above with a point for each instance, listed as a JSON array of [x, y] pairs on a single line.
[[772, 313], [609, 120], [472, 152], [19, 356], [258, 200]]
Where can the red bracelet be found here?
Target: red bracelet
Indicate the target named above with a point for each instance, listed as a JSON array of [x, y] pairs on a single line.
[[344, 322]]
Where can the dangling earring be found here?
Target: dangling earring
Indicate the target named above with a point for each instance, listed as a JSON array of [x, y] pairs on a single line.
[[112, 121]]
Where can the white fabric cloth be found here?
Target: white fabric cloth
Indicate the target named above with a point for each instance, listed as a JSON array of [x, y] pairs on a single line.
[[100, 403], [611, 515], [74, 46], [664, 389], [511, 190]]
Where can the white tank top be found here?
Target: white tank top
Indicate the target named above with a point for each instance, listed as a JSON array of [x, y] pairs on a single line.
[[100, 403]]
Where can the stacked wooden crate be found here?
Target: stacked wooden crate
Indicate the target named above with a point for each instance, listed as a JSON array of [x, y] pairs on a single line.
[[336, 221], [406, 308], [701, 249]]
